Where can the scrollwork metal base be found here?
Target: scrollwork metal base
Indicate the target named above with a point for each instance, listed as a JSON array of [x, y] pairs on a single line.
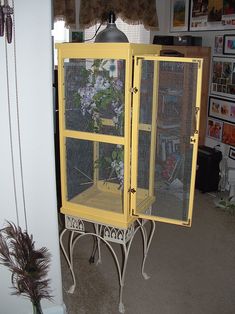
[[107, 234]]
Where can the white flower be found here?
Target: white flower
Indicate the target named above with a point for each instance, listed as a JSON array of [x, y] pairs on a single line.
[[106, 84], [115, 120], [118, 110]]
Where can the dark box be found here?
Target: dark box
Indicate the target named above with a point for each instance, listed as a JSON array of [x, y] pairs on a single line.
[[163, 40], [207, 176], [187, 41]]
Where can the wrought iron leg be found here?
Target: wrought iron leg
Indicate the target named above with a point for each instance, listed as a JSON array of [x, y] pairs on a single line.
[[98, 231], [147, 242], [126, 251], [69, 258], [120, 264]]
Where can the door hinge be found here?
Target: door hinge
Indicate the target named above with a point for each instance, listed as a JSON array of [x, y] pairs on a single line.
[[133, 213], [134, 90], [192, 140]]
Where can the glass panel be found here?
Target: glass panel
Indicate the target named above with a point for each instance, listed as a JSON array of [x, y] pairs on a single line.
[[164, 149], [94, 95], [95, 174]]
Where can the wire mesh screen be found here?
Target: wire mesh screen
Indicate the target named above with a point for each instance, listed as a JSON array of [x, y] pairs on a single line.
[[146, 92], [94, 95], [95, 174], [165, 169], [79, 166]]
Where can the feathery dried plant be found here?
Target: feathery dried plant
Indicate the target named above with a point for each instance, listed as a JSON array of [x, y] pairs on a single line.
[[28, 266]]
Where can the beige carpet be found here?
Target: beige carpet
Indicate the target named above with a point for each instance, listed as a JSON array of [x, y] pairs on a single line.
[[192, 270]]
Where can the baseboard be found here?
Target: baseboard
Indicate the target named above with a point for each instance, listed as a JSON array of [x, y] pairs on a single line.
[[59, 309]]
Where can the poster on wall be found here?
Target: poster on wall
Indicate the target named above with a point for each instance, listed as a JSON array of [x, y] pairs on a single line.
[[223, 77], [214, 129], [228, 134], [212, 15], [179, 15], [222, 109]]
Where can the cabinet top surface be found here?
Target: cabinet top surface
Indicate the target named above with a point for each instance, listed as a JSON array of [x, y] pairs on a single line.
[[121, 49]]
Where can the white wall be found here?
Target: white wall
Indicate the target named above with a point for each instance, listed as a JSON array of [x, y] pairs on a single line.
[[34, 74]]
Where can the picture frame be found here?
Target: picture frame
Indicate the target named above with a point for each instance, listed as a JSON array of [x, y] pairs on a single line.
[[223, 77], [228, 137], [212, 15], [222, 109], [214, 129], [229, 44], [231, 153], [76, 36], [179, 19], [218, 45]]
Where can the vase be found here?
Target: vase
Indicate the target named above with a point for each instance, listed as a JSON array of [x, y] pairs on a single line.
[[37, 309]]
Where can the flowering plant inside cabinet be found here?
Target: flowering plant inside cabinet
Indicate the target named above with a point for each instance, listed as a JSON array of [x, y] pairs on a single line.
[[102, 90], [126, 114]]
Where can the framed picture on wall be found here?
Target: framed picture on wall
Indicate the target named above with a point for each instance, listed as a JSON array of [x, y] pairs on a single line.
[[76, 36], [212, 15], [222, 109], [218, 45], [179, 15], [214, 129], [229, 44], [232, 153], [229, 134], [223, 77]]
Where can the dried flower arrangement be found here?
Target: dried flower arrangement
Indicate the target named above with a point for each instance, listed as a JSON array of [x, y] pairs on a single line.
[[29, 267]]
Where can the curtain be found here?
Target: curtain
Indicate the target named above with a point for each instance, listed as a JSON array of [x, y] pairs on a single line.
[[131, 11], [65, 10]]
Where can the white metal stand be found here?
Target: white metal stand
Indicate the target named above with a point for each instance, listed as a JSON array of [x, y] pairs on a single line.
[[107, 234]]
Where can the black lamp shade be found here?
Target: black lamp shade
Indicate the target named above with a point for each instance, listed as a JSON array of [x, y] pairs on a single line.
[[111, 33]]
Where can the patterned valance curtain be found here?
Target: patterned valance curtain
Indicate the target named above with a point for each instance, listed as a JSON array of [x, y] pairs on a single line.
[[65, 10], [131, 11]]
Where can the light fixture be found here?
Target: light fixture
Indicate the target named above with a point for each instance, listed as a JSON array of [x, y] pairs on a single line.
[[111, 33]]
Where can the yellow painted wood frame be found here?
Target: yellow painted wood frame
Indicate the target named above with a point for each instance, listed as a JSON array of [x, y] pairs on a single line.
[[130, 138], [135, 126], [99, 51]]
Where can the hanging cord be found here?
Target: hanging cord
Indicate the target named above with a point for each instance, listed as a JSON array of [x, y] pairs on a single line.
[[18, 120], [10, 133], [94, 34]]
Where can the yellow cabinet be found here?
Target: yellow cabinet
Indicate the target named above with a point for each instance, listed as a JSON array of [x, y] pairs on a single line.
[[129, 122]]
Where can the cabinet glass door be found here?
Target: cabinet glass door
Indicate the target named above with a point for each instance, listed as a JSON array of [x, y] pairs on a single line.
[[165, 125]]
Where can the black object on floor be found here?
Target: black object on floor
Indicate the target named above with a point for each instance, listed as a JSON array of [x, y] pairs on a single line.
[[207, 175]]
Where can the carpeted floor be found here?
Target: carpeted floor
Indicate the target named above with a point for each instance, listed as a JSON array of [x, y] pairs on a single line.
[[192, 270]]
